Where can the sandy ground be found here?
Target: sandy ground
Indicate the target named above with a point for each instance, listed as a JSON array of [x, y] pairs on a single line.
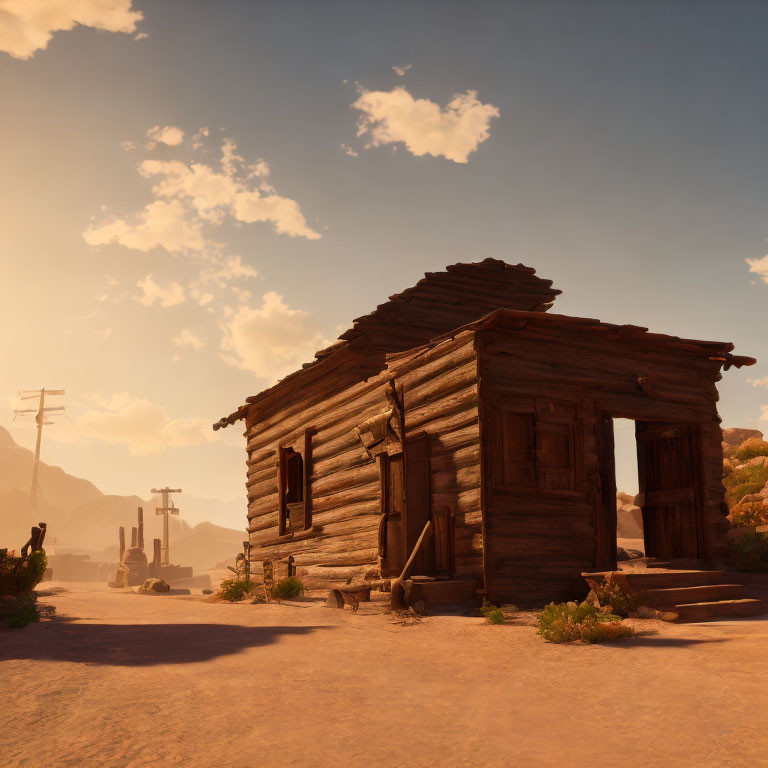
[[136, 681]]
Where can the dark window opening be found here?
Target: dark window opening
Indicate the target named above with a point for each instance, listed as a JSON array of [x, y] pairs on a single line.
[[291, 491]]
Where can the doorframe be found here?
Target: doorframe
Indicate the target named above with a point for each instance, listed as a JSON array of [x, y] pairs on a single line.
[[697, 451]]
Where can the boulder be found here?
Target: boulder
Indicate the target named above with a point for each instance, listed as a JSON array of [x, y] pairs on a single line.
[[646, 612], [629, 522], [154, 586], [735, 436], [627, 554], [758, 461]]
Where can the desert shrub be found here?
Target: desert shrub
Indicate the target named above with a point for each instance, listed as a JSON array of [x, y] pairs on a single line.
[[621, 603], [19, 576], [750, 448], [492, 612], [495, 617], [748, 513], [23, 613], [287, 588], [235, 590], [742, 482], [568, 622], [749, 553]]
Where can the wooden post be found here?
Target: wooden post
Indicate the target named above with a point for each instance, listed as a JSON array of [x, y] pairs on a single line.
[[247, 563], [140, 542], [308, 477], [156, 558], [121, 534], [282, 510]]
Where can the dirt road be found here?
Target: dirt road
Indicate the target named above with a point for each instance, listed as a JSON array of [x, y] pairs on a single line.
[[137, 681]]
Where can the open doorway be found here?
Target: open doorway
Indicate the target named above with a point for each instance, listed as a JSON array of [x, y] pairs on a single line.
[[630, 541]]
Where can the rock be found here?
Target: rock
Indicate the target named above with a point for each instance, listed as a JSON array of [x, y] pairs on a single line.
[[758, 461], [629, 522], [735, 436], [646, 612], [154, 586], [207, 591], [623, 554]]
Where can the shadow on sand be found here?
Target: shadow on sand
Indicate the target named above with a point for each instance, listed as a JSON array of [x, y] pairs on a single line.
[[132, 645], [654, 640]]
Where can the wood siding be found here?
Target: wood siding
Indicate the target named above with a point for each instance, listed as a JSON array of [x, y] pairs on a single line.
[[539, 539], [441, 400], [439, 389]]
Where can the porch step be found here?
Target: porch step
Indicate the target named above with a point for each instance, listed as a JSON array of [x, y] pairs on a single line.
[[653, 579], [669, 596], [684, 565], [721, 609]]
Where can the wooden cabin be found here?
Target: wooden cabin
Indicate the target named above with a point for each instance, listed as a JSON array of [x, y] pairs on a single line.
[[465, 402]]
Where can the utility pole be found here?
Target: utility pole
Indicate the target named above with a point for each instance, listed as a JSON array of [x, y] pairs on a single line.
[[165, 510], [41, 411]]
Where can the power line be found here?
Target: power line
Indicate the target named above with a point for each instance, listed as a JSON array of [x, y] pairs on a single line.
[[41, 414]]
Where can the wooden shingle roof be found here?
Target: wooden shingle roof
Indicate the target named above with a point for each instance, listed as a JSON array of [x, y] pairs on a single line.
[[439, 302]]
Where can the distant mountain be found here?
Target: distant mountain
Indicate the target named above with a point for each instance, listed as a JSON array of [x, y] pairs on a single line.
[[81, 517]]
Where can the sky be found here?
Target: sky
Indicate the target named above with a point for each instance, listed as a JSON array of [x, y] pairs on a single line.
[[196, 196]]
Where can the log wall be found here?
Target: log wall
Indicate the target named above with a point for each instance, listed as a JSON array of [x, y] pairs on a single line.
[[538, 541], [344, 481], [441, 400], [439, 389]]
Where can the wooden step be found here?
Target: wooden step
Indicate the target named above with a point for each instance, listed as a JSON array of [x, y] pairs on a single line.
[[722, 609], [706, 593], [652, 579], [688, 564]]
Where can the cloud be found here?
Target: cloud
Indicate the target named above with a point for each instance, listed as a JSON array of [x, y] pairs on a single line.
[[221, 275], [758, 382], [453, 132], [188, 339], [759, 267], [166, 134], [166, 297], [192, 198], [164, 224], [400, 71], [348, 150], [271, 340], [764, 413], [142, 426], [26, 26]]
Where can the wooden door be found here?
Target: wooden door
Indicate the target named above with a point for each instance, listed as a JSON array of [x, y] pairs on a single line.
[[606, 495], [418, 504], [669, 467]]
